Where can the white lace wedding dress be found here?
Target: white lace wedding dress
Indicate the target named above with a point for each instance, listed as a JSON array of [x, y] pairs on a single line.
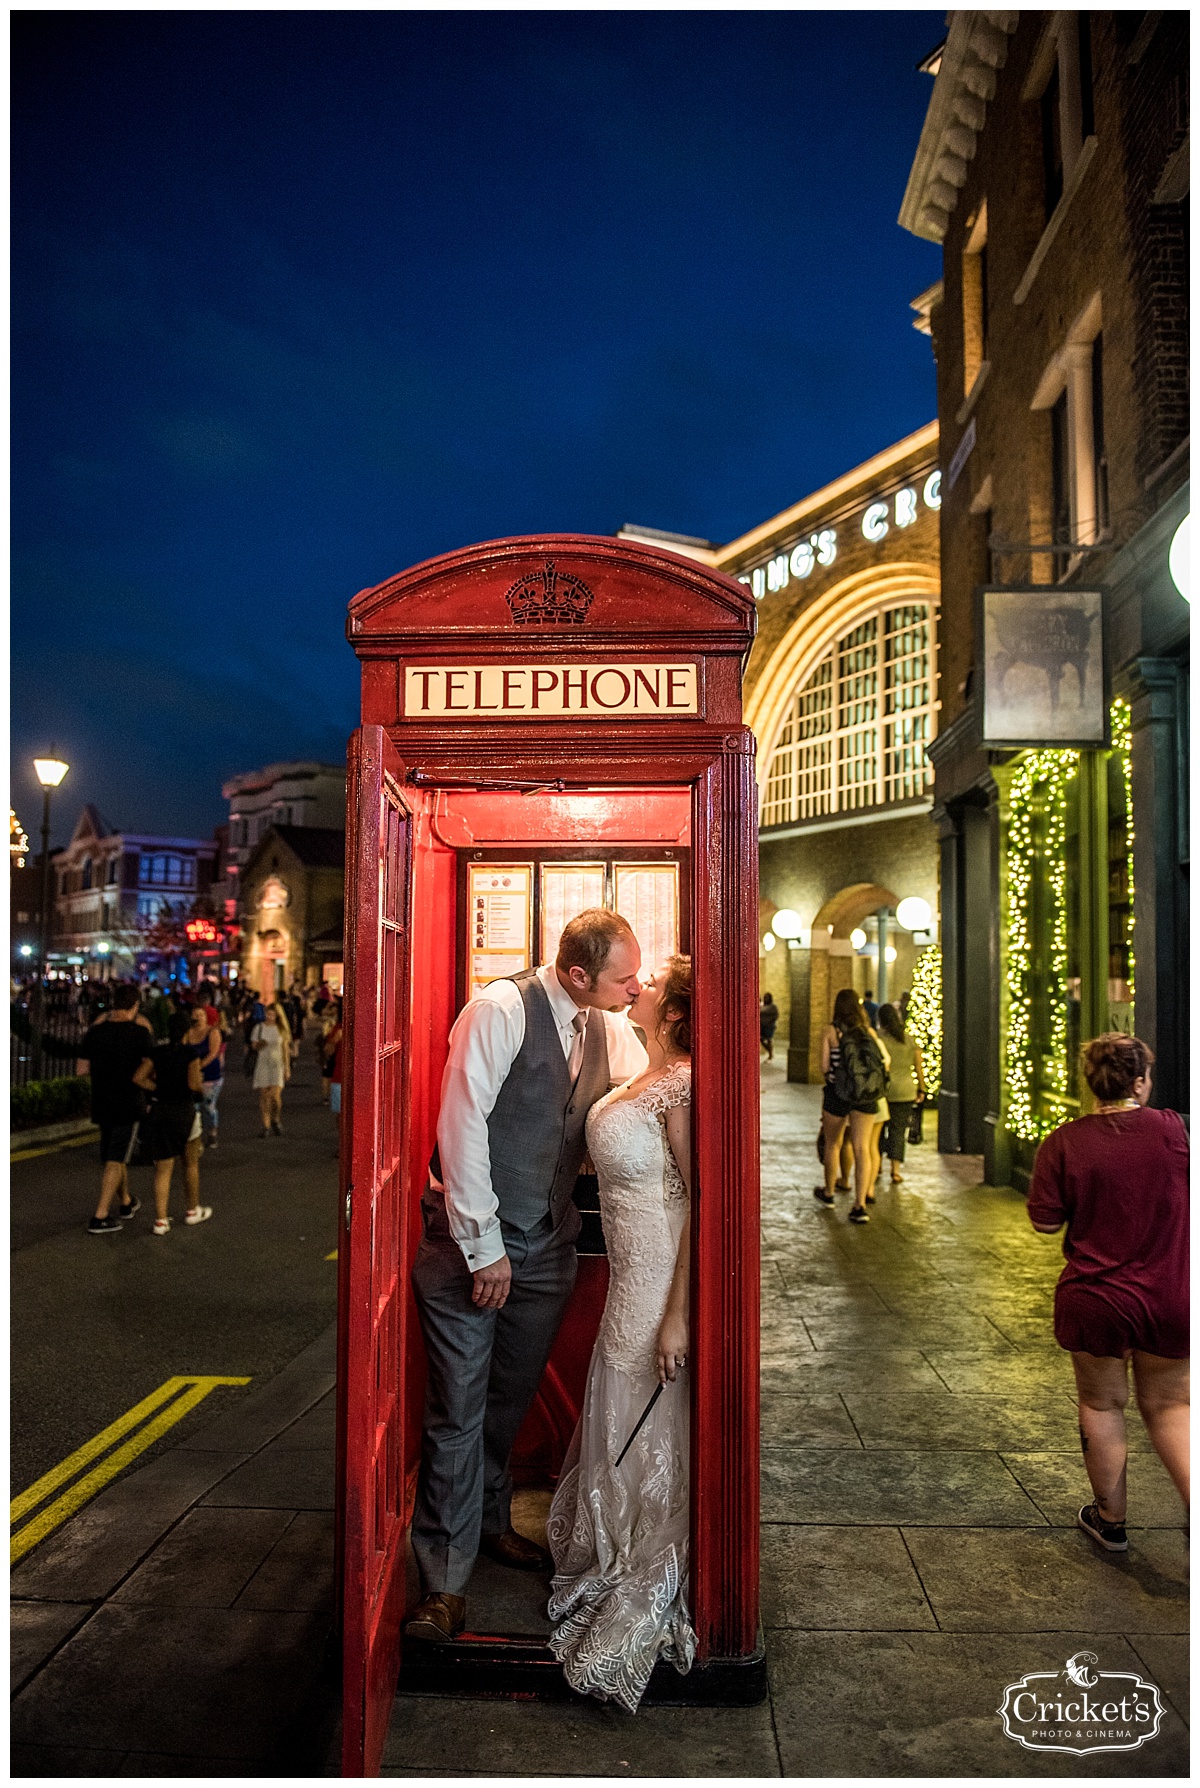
[[619, 1537]]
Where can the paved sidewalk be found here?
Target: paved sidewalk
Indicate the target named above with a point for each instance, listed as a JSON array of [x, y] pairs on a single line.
[[921, 1474], [181, 1624], [920, 1478]]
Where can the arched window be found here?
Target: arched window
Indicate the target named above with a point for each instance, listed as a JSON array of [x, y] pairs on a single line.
[[856, 732], [85, 873]]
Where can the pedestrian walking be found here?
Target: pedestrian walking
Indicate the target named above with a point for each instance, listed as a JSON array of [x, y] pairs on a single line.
[[272, 1041], [113, 1050], [333, 1061], [855, 1070], [906, 1083], [1118, 1179], [768, 1018], [172, 1075], [870, 1008]]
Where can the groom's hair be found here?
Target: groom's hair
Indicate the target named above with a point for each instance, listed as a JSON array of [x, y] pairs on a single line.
[[588, 938]]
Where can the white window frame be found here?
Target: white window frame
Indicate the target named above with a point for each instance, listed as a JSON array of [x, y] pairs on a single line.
[[817, 771]]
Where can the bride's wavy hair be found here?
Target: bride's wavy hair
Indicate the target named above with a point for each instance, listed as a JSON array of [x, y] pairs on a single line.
[[677, 992]]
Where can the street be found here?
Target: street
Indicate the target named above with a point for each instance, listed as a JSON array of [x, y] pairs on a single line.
[[920, 1476], [100, 1322]]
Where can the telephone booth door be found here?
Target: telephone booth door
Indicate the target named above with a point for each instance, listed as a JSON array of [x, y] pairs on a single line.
[[476, 764], [373, 1251]]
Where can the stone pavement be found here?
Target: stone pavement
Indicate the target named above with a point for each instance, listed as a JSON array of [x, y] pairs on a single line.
[[181, 1623], [921, 1474]]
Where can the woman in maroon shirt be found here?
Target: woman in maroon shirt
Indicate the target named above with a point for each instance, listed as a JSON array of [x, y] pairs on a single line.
[[1118, 1179]]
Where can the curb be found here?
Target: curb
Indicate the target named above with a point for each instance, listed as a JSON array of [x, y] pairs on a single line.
[[51, 1135]]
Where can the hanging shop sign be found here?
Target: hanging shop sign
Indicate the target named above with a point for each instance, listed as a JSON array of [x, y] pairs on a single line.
[[550, 691], [877, 520], [1042, 653]]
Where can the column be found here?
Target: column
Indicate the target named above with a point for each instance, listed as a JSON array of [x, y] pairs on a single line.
[[950, 876], [1160, 928]]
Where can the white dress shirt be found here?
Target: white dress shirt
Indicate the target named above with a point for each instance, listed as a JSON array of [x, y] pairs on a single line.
[[484, 1044]]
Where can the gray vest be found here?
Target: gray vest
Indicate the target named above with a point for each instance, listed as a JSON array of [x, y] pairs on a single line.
[[535, 1130]]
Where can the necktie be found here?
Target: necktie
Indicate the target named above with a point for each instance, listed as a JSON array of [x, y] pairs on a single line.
[[575, 1059]]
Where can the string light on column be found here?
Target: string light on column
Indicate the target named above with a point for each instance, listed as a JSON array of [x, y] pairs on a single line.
[[1041, 787], [1121, 719], [925, 1014]]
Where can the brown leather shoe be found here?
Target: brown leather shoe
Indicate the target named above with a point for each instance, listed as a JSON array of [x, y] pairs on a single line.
[[514, 1550], [438, 1617]]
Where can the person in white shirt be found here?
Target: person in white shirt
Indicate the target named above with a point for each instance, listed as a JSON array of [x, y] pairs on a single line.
[[529, 1057]]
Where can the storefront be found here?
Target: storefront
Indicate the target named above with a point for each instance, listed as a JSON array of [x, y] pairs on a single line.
[[1064, 880]]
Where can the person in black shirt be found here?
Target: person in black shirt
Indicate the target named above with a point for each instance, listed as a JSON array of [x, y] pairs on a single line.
[[172, 1074], [114, 1049]]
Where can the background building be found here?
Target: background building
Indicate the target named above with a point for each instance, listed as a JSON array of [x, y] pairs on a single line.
[[841, 691], [110, 887], [287, 794], [1052, 168], [290, 908]]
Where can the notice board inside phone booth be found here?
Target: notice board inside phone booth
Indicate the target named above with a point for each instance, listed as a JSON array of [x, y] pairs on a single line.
[[548, 724]]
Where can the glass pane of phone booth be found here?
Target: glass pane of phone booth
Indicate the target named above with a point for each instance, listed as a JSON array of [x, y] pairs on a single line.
[[512, 902]]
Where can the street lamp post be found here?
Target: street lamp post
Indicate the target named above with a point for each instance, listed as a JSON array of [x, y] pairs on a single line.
[[50, 772]]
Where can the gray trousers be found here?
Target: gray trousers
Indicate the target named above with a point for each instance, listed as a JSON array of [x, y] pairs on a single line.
[[484, 1370]]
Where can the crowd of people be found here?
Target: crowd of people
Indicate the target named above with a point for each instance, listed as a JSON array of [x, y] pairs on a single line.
[[157, 1058]]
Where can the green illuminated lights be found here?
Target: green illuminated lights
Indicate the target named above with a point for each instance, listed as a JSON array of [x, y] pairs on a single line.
[[1036, 1076], [925, 1015], [1122, 743], [1040, 788]]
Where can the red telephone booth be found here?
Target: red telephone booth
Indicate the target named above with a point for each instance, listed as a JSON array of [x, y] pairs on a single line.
[[547, 724]]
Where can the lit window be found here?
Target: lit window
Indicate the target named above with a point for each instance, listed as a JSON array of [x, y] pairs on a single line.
[[856, 731]]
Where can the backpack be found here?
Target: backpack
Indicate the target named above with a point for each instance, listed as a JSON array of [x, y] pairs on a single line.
[[860, 1077]]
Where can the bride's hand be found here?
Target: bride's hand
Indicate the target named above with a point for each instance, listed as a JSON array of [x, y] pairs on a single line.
[[672, 1346]]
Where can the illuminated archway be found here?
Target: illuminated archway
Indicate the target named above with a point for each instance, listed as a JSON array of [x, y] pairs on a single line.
[[850, 906], [815, 632]]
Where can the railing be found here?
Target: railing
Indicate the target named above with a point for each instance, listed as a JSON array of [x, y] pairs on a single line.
[[64, 1021]]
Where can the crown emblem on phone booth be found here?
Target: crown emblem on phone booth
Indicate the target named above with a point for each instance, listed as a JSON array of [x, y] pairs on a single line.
[[549, 598]]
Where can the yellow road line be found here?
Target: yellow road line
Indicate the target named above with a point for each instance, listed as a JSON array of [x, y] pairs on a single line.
[[91, 1449], [52, 1148], [193, 1391], [332, 1256]]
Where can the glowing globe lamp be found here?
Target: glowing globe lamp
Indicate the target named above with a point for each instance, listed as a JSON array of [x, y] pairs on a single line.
[[1179, 559], [889, 954], [858, 938], [787, 924], [768, 942], [914, 914]]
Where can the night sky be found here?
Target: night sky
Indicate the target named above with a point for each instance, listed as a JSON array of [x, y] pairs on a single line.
[[300, 299]]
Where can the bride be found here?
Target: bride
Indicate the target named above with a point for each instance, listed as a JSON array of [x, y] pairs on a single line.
[[619, 1534]]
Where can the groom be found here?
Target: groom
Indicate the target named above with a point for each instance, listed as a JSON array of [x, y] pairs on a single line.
[[528, 1059]]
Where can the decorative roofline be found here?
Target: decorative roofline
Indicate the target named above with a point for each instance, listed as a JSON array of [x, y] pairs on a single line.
[[976, 48]]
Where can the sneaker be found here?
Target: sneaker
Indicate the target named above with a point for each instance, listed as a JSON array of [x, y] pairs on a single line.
[[104, 1226], [128, 1210], [162, 1226], [199, 1213], [858, 1215], [277, 1129], [822, 1196], [1109, 1534]]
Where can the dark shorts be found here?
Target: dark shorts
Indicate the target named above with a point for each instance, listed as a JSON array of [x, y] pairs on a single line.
[[118, 1142], [1088, 1321], [168, 1131], [839, 1108]]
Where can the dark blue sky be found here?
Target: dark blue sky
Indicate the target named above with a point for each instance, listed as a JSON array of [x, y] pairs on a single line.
[[303, 298]]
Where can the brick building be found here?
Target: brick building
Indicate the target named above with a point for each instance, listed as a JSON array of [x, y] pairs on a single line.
[[291, 898], [1052, 168], [110, 886], [840, 691]]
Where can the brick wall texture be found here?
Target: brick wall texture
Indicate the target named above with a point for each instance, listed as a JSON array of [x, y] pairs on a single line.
[[1113, 240]]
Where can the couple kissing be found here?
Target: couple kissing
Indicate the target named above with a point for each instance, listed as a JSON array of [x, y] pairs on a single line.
[[542, 1069]]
